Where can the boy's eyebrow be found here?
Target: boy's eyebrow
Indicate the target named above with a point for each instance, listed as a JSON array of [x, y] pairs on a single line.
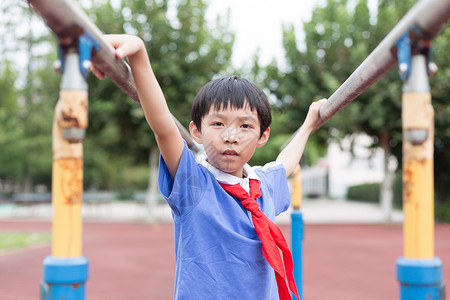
[[240, 118], [247, 118], [215, 115]]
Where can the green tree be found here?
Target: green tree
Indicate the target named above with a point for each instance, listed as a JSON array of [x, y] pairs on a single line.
[[185, 51], [10, 131], [339, 36], [32, 93], [440, 90]]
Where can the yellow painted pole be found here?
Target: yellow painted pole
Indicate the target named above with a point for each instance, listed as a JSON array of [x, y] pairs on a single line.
[[418, 193], [66, 270], [296, 199], [69, 123], [419, 272], [297, 230]]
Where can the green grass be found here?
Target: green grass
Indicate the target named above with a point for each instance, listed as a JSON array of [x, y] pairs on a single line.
[[20, 240]]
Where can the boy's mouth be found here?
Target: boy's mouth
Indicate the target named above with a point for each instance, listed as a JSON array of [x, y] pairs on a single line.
[[229, 153]]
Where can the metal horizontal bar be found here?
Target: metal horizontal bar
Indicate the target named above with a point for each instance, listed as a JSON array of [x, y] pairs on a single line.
[[68, 21], [428, 15]]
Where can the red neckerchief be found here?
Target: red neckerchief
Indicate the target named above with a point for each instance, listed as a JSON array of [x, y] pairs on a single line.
[[271, 238]]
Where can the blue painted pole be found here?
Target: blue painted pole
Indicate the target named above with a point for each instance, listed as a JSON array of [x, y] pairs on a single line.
[[420, 279], [64, 278], [297, 249]]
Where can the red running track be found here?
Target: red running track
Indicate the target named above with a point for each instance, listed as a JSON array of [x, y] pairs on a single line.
[[136, 261]]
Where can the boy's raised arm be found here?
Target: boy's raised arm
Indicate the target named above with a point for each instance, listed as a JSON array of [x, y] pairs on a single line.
[[153, 103], [290, 156]]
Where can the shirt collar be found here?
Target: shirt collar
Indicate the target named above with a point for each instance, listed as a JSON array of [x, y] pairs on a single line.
[[230, 179]]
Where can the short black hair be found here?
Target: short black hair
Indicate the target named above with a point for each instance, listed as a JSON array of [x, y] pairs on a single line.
[[236, 93]]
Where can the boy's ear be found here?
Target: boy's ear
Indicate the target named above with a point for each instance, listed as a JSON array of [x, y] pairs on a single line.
[[264, 138], [195, 133]]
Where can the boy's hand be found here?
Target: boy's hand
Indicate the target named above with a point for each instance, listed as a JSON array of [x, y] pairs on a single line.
[[100, 75], [291, 154], [124, 45], [313, 114]]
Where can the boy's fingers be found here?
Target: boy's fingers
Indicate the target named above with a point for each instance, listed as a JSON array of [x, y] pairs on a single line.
[[128, 47], [319, 103], [124, 45], [97, 73], [114, 39], [118, 42], [121, 52]]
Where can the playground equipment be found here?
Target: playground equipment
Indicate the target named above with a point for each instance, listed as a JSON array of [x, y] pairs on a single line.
[[297, 229], [68, 21], [419, 272], [80, 41], [409, 45], [66, 270]]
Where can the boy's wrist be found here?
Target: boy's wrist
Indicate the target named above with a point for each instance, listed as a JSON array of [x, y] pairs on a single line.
[[307, 128]]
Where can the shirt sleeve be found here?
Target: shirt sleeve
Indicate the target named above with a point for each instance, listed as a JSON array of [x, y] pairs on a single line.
[[184, 191], [274, 174]]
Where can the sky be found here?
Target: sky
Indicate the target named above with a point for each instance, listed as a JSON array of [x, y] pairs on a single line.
[[258, 24]]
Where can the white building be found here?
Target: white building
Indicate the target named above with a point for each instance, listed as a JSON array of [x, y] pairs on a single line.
[[341, 168]]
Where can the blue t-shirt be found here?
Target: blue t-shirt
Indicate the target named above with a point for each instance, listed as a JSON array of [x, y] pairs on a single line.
[[217, 252]]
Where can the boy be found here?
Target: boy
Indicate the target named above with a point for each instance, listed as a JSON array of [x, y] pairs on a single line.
[[221, 246]]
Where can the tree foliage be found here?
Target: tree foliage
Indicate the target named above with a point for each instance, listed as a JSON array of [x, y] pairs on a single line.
[[339, 36], [440, 90], [27, 100], [185, 52]]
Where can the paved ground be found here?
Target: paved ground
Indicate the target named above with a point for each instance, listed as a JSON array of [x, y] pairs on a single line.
[[315, 211], [135, 260]]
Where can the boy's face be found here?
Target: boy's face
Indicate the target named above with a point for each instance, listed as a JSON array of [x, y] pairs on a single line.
[[230, 137]]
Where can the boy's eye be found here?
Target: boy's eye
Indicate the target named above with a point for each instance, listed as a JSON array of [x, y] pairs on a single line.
[[246, 126], [217, 124]]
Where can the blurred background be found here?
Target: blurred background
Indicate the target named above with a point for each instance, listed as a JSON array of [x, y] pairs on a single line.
[[297, 54]]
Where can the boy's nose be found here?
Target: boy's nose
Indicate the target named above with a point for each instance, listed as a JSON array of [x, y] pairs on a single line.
[[231, 135]]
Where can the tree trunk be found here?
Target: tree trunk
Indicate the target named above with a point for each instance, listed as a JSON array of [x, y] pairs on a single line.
[[152, 191], [386, 192], [27, 180]]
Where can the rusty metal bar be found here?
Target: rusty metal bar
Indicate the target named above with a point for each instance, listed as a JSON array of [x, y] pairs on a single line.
[[68, 21]]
